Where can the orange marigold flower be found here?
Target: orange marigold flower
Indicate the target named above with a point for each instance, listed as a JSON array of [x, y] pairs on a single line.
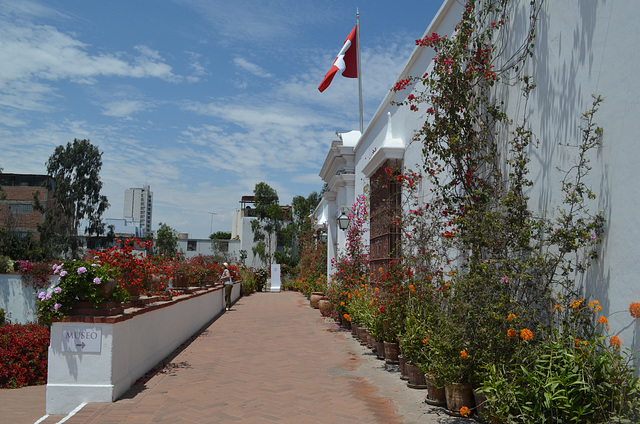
[[463, 354], [349, 295], [595, 306], [576, 303], [634, 309], [375, 290], [465, 412], [380, 269], [347, 317], [341, 303], [511, 333], [603, 320], [511, 317], [526, 334], [614, 342], [424, 340]]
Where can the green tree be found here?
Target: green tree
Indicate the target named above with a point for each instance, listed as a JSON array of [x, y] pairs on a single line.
[[268, 226], [75, 169], [167, 241], [220, 235]]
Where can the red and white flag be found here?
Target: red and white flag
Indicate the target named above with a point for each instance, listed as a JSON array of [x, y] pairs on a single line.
[[346, 63]]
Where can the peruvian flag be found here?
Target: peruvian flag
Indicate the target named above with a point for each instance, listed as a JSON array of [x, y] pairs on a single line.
[[346, 63]]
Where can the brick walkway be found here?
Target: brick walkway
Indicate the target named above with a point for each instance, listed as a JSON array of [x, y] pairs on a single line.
[[271, 359]]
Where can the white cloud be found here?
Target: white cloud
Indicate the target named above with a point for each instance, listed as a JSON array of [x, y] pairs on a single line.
[[124, 108], [252, 68]]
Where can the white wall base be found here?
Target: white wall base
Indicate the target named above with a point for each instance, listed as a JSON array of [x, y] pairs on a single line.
[[122, 349]]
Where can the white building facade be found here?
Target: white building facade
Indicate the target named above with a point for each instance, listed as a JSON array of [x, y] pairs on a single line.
[[581, 48], [138, 207]]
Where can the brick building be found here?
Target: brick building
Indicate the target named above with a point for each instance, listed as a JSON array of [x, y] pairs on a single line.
[[17, 212]]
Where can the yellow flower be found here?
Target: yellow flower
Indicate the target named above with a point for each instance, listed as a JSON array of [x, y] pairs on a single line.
[[614, 342], [576, 303], [595, 306], [465, 412], [603, 320], [526, 334], [511, 317]]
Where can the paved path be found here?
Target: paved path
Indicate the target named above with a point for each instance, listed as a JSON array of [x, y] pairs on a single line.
[[271, 359]]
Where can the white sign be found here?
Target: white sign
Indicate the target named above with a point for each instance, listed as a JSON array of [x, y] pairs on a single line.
[[275, 278], [82, 339]]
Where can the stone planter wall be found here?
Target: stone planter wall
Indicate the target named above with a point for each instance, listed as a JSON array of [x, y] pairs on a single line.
[[97, 358]]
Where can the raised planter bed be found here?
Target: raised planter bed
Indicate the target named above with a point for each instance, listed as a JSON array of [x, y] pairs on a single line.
[[98, 358]]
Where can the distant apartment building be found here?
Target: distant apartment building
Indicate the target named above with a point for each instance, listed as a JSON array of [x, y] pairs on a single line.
[[138, 207], [17, 212]]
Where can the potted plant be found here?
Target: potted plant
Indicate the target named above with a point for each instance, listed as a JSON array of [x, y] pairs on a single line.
[[78, 281]]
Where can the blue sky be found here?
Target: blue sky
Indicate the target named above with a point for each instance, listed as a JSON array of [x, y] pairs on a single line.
[[199, 99]]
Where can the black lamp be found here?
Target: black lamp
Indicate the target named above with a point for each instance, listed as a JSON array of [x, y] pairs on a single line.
[[343, 221]]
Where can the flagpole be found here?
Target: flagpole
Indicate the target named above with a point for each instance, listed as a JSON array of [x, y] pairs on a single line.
[[359, 66]]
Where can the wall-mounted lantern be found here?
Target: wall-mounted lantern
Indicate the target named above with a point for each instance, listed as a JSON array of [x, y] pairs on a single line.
[[343, 221]]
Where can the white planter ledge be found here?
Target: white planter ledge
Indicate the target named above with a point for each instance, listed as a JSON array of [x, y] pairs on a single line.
[[97, 359]]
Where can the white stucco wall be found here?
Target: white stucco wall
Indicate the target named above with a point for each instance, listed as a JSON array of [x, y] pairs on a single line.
[[18, 301], [582, 48]]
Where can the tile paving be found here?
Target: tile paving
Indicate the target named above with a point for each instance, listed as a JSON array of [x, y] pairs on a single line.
[[271, 359]]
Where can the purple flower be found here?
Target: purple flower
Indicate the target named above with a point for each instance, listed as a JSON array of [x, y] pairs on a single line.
[[56, 306], [57, 290], [47, 296], [82, 270], [96, 280], [63, 273], [42, 295]]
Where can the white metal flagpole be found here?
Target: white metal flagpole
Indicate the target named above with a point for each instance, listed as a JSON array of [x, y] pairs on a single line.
[[359, 65]]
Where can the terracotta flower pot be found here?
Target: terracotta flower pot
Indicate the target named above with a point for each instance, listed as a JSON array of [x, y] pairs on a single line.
[[314, 299], [435, 395], [416, 378], [459, 395], [391, 352]]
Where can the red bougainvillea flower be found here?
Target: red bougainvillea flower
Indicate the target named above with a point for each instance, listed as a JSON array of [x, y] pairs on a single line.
[[634, 309], [526, 334], [614, 342]]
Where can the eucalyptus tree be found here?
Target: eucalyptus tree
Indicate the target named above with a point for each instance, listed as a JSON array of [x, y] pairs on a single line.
[[75, 170]]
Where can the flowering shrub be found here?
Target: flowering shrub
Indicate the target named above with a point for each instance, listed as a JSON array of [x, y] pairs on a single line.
[[23, 355], [77, 280], [34, 274]]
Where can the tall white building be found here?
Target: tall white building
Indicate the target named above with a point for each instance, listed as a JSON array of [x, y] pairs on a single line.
[[138, 207]]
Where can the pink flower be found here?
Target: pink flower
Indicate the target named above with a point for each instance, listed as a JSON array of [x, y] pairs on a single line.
[[57, 290], [96, 280], [63, 273], [82, 270]]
